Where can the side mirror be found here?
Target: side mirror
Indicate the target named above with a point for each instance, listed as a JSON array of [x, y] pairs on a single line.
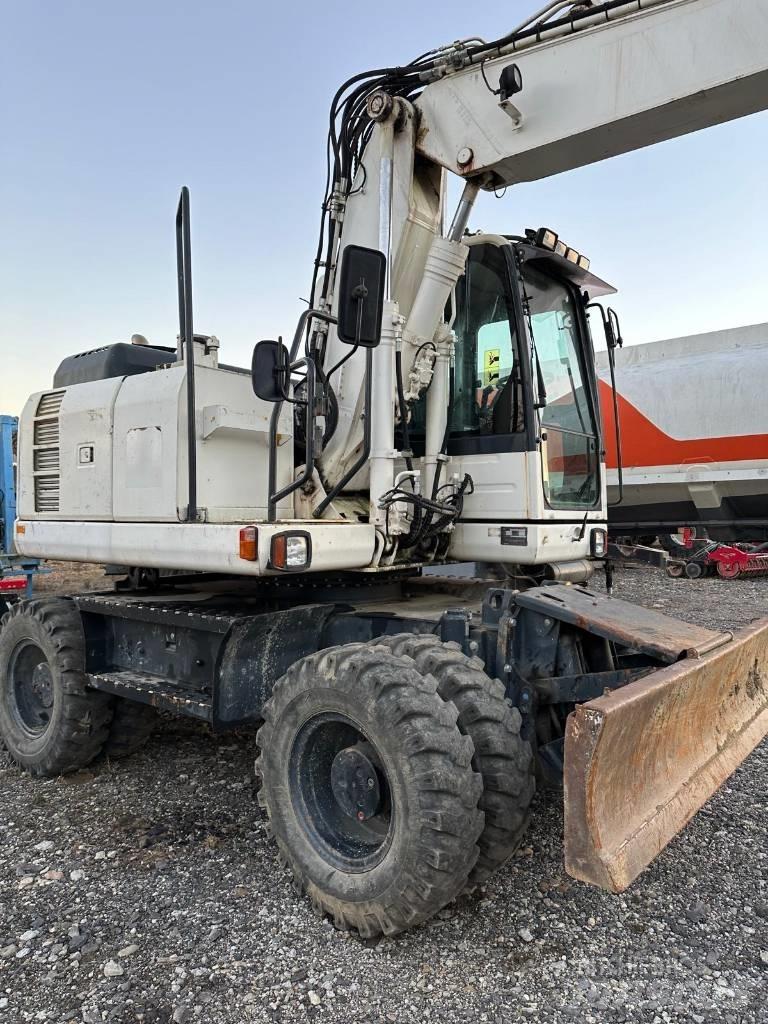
[[611, 326], [613, 319], [361, 296], [270, 371]]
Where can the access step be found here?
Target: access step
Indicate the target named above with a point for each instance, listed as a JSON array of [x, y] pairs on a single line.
[[156, 691]]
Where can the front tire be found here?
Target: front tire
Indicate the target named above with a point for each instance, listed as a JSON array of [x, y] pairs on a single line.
[[502, 757], [369, 788], [49, 721]]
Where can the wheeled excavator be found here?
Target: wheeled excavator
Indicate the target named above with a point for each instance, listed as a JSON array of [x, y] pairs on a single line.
[[278, 526]]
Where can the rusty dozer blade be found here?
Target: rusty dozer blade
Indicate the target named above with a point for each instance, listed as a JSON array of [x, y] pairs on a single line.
[[641, 761]]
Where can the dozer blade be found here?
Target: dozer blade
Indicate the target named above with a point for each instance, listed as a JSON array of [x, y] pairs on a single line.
[[641, 761]]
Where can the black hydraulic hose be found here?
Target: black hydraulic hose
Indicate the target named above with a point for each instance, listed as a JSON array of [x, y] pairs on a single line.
[[337, 366], [485, 50], [365, 453], [446, 435], [403, 410], [309, 447], [272, 498]]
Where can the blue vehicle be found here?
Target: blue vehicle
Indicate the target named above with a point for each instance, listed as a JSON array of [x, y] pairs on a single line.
[[16, 571]]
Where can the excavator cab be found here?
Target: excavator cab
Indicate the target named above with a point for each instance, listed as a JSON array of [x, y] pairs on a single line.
[[524, 416]]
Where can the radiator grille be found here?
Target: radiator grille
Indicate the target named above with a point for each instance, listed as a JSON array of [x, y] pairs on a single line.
[[47, 493], [46, 458], [50, 403], [46, 432]]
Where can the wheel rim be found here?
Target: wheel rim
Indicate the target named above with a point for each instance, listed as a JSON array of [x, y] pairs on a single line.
[[341, 792], [31, 688]]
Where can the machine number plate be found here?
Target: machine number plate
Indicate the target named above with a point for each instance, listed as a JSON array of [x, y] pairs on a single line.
[[517, 536]]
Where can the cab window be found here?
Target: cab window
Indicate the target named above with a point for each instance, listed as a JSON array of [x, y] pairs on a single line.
[[570, 440], [487, 390]]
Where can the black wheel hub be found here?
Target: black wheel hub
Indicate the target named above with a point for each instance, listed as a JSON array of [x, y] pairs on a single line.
[[341, 793], [31, 688], [355, 784]]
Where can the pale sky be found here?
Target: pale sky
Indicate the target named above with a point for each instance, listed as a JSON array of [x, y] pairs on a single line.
[[106, 109]]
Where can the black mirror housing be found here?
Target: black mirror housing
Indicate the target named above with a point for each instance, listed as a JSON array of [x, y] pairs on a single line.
[[613, 320], [270, 371], [361, 296]]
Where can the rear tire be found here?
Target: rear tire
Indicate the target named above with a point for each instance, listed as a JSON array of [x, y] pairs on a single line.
[[410, 847], [50, 722], [502, 757], [132, 725]]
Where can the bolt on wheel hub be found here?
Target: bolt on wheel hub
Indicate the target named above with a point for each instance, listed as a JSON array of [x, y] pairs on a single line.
[[355, 783], [31, 688]]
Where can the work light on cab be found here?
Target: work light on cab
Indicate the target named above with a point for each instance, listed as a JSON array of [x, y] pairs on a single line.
[[546, 239]]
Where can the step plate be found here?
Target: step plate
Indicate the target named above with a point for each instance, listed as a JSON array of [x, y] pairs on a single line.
[[153, 690]]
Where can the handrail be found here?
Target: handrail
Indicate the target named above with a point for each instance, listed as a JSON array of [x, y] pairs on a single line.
[[187, 339]]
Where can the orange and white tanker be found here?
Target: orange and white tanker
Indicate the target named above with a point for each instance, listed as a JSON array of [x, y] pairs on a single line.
[[693, 417]]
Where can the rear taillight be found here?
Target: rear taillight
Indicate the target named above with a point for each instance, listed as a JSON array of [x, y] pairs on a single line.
[[249, 543]]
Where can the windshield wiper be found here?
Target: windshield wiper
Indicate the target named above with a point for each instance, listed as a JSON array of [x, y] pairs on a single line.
[[575, 396]]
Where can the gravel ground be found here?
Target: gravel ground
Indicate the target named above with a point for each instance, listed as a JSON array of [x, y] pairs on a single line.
[[148, 890]]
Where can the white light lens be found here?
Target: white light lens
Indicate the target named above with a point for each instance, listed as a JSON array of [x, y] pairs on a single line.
[[295, 552], [561, 248], [546, 239], [572, 256], [599, 543], [583, 262]]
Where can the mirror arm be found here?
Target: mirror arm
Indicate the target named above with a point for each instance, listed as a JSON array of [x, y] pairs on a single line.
[[306, 316], [613, 319], [610, 337], [613, 340]]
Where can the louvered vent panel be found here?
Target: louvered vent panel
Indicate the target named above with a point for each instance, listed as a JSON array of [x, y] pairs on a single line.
[[47, 493], [46, 452], [46, 432], [47, 460], [50, 403]]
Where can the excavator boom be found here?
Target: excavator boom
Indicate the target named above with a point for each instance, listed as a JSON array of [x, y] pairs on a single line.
[[614, 79]]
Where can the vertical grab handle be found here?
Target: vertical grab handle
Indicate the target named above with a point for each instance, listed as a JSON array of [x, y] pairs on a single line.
[[187, 337]]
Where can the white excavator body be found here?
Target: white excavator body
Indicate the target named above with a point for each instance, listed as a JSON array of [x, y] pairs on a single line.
[[152, 456], [438, 402]]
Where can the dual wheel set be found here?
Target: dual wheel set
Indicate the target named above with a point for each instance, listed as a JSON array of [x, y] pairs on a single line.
[[393, 773]]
